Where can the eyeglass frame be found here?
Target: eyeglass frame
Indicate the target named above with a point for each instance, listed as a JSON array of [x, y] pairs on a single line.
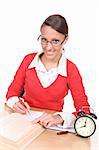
[[51, 41]]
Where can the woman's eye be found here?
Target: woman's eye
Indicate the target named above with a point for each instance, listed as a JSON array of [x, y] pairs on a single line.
[[43, 40], [55, 41]]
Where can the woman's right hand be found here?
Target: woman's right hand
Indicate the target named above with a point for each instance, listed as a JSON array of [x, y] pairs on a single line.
[[18, 107]]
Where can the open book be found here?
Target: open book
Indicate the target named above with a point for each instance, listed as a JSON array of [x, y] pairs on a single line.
[[17, 130]]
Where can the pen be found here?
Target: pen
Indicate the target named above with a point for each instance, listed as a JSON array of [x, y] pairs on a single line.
[[62, 132], [25, 105], [65, 132]]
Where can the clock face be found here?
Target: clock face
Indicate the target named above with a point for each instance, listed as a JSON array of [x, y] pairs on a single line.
[[85, 126]]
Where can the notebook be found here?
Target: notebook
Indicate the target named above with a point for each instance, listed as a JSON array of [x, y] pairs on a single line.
[[17, 130]]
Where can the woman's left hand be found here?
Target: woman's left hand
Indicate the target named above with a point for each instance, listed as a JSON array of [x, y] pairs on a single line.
[[48, 120]]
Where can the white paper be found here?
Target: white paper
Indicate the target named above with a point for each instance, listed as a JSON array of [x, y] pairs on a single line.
[[35, 114], [62, 129]]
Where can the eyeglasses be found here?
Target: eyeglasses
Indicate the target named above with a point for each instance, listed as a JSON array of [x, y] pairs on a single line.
[[54, 42]]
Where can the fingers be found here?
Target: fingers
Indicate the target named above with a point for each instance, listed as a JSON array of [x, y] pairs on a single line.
[[38, 119], [27, 105], [48, 120], [19, 108]]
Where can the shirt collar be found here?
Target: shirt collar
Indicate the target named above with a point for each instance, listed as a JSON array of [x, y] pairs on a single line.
[[36, 63]]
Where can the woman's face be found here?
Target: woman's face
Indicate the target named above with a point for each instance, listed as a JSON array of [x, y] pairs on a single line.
[[51, 42]]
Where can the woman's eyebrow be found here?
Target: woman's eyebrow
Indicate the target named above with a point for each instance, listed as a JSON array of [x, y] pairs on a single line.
[[51, 39], [55, 39]]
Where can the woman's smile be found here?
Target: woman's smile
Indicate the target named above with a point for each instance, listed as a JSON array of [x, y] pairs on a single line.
[[50, 52]]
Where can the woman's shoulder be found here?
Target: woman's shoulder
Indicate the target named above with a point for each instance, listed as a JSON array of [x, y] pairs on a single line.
[[71, 66], [70, 63], [28, 58], [30, 55]]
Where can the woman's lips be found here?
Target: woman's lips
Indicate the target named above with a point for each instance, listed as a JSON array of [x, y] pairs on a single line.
[[50, 52]]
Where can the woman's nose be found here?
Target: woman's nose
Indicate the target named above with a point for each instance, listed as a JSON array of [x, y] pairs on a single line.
[[49, 45]]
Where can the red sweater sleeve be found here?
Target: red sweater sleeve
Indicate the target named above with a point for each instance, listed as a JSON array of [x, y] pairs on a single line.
[[76, 87], [17, 84]]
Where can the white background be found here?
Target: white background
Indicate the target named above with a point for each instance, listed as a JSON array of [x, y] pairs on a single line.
[[20, 21]]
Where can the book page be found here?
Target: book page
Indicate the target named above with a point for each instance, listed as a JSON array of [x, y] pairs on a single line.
[[32, 115], [15, 125], [3, 114]]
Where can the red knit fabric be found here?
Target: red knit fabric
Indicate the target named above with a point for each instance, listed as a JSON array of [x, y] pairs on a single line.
[[51, 97]]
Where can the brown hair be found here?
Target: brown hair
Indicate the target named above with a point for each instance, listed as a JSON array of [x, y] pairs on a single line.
[[58, 23]]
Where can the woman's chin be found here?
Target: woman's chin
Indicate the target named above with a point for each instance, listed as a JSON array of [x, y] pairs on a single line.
[[50, 53], [50, 56]]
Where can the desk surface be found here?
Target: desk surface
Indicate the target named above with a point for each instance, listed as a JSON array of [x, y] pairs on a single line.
[[49, 140]]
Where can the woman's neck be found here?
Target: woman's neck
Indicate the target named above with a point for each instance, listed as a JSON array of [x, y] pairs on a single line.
[[49, 64]]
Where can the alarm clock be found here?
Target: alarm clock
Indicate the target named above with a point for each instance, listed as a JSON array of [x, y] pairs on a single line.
[[85, 125]]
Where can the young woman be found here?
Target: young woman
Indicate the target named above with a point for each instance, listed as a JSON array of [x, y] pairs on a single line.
[[47, 76]]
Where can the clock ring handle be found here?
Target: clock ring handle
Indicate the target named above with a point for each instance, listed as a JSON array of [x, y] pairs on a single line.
[[81, 113], [92, 114]]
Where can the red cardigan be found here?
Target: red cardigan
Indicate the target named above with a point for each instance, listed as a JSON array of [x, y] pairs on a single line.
[[51, 97]]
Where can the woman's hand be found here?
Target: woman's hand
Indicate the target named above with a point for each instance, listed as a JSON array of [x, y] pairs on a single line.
[[20, 107], [48, 120]]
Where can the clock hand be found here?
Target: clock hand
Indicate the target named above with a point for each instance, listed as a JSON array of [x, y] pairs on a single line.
[[85, 123], [82, 126]]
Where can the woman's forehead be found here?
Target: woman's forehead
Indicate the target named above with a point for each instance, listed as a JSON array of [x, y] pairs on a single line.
[[48, 31]]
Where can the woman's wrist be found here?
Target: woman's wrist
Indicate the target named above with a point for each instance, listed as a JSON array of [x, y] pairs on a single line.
[[11, 101], [68, 119]]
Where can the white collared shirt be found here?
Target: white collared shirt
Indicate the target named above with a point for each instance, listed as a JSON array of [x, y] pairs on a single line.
[[47, 78]]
